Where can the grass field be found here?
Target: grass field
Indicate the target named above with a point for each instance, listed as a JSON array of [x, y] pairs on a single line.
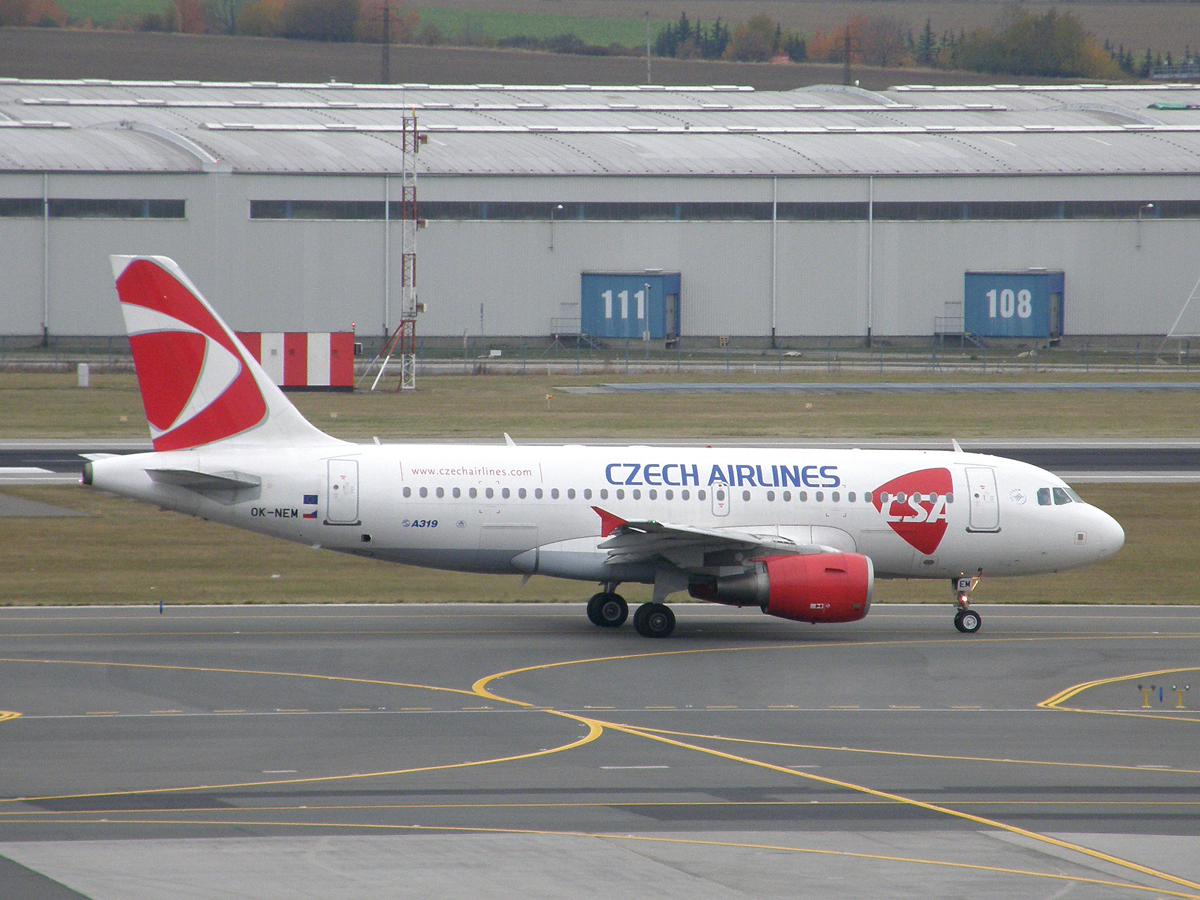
[[498, 24], [451, 21], [484, 407], [124, 552]]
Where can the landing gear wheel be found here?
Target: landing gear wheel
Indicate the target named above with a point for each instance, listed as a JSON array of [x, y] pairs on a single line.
[[967, 621], [654, 620], [608, 610]]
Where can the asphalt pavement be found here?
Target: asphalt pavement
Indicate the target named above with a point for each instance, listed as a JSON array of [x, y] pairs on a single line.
[[517, 751]]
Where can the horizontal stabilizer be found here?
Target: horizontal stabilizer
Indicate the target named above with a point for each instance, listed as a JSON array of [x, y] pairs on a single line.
[[205, 482]]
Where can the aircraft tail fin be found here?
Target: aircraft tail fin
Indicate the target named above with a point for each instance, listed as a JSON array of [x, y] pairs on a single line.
[[199, 384]]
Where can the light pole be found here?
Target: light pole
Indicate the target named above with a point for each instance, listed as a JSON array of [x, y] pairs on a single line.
[[553, 210], [1141, 209], [646, 320], [648, 81]]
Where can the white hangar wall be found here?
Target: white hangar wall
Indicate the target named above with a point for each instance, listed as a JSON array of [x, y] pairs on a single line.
[[221, 148], [321, 275]]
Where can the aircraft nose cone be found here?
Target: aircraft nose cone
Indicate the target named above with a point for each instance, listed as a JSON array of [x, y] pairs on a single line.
[[1112, 535]]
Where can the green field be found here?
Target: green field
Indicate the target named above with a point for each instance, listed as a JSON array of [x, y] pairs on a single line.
[[476, 24], [124, 552], [473, 24]]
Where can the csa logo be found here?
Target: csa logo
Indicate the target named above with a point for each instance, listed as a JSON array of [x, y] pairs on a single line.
[[916, 507], [194, 385]]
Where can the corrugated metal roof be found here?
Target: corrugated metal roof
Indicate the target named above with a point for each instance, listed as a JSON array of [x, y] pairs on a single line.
[[97, 126]]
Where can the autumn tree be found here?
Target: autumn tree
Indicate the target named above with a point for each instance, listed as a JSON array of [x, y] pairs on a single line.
[[190, 16], [881, 41], [753, 40]]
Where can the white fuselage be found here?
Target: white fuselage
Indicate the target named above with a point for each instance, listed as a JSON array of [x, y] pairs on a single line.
[[529, 509]]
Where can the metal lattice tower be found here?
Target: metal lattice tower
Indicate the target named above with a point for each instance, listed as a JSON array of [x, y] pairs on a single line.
[[403, 341]]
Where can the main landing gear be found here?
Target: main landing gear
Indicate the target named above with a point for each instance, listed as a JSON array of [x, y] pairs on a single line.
[[654, 620], [966, 619], [608, 609]]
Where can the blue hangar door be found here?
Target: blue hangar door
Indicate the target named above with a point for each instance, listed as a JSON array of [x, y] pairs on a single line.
[[1013, 304], [630, 305]]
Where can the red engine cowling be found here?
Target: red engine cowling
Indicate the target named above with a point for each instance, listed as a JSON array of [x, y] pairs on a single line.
[[818, 587]]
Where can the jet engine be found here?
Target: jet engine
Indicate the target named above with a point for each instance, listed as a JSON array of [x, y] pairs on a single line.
[[817, 587]]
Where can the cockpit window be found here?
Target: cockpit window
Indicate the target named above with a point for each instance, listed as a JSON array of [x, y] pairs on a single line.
[[1061, 497], [1043, 496], [1074, 496]]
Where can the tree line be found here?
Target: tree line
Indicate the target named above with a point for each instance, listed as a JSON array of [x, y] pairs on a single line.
[[1050, 44]]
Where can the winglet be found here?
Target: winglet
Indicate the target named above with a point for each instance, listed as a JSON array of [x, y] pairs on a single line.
[[957, 448], [608, 522], [508, 440]]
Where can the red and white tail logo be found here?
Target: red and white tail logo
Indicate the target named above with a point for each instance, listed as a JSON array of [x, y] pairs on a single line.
[[195, 383], [916, 507]]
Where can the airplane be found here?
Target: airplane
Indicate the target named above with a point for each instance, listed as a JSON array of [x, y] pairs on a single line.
[[800, 533]]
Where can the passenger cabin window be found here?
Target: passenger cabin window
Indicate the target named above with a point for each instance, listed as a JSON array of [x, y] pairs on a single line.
[[685, 495], [537, 493], [553, 493], [441, 492], [746, 495], [521, 493], [408, 492], [1043, 496], [457, 493], [505, 493], [490, 493], [603, 493], [1061, 497], [571, 494], [474, 493], [701, 495], [587, 493]]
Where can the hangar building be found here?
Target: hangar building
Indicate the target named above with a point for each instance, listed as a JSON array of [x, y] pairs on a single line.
[[707, 211]]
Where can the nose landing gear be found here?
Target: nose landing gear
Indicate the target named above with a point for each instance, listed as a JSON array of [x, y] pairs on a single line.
[[966, 619]]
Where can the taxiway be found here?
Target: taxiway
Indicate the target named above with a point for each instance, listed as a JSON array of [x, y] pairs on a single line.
[[516, 751]]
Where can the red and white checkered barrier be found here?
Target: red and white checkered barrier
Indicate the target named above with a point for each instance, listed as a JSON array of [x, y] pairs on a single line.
[[320, 360]]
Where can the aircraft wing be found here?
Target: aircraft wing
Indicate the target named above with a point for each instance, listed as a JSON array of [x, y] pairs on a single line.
[[686, 546]]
